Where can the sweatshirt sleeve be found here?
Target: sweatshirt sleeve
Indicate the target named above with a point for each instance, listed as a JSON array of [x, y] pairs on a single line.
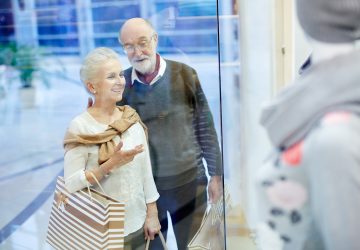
[[333, 170]]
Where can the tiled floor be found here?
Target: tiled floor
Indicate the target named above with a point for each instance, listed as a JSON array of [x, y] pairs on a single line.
[[238, 234], [31, 154], [31, 158]]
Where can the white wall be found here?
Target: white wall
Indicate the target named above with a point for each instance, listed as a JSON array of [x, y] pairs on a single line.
[[255, 88], [301, 47], [257, 83]]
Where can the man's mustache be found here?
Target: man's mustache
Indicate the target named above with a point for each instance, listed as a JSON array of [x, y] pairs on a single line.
[[137, 59]]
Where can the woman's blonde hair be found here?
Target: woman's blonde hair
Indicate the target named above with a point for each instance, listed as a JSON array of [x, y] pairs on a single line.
[[92, 62]]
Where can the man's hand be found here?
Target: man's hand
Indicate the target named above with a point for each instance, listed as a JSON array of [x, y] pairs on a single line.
[[121, 157], [215, 189], [152, 225]]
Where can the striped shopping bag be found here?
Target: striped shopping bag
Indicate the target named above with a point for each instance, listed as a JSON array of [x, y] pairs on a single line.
[[86, 219]]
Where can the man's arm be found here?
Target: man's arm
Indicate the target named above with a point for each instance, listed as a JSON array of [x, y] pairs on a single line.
[[207, 138]]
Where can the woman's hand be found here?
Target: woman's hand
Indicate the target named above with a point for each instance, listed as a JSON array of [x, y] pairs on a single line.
[[152, 225], [117, 159], [121, 157]]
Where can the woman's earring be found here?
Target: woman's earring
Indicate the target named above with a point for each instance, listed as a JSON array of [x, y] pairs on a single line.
[[94, 91]]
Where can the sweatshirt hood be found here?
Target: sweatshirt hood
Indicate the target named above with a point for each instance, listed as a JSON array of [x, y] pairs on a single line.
[[333, 85]]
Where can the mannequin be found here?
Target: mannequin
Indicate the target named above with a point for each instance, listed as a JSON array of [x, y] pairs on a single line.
[[325, 51], [309, 184]]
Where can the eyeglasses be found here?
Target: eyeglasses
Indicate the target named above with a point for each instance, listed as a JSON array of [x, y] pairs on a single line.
[[142, 45]]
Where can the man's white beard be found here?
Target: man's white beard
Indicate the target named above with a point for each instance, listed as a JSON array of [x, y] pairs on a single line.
[[145, 66]]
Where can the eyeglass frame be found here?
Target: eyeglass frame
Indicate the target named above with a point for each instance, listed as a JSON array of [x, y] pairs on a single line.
[[141, 47]]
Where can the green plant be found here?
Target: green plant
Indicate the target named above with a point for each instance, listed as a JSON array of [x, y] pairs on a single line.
[[26, 63], [22, 58]]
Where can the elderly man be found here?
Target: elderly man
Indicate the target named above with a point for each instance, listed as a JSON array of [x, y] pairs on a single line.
[[170, 101]]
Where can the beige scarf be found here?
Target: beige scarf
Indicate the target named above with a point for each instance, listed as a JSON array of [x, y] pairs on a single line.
[[105, 139]]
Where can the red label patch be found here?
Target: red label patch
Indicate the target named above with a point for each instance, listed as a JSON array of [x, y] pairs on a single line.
[[293, 155]]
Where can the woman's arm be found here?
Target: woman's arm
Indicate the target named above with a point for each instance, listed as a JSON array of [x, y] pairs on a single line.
[[152, 224], [76, 177], [119, 158]]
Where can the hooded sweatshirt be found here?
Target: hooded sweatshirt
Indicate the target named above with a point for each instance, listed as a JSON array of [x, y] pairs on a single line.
[[309, 185], [329, 86]]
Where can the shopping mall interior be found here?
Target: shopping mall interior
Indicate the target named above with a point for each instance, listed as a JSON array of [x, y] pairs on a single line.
[[243, 51]]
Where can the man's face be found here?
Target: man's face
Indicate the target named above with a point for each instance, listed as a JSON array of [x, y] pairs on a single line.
[[139, 44]]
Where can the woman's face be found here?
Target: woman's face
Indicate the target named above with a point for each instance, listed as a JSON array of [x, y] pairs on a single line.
[[110, 82]]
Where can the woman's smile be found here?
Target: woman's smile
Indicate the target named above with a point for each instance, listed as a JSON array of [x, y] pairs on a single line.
[[119, 88]]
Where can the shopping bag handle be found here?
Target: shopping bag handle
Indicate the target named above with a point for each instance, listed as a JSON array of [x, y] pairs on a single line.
[[162, 241], [62, 199], [97, 182]]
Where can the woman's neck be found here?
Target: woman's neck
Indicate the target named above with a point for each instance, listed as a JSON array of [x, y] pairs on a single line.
[[106, 114]]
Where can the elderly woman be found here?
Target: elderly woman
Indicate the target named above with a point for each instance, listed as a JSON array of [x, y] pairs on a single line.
[[110, 142]]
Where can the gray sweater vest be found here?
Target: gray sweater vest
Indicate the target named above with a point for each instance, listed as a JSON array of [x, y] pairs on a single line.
[[167, 107]]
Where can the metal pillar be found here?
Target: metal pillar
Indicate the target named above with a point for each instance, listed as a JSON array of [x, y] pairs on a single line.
[[25, 22], [85, 26]]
